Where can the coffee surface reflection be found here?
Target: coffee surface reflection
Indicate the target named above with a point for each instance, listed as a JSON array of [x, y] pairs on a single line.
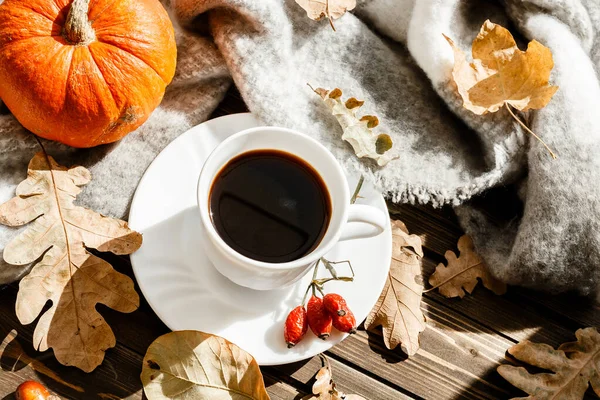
[[270, 206]]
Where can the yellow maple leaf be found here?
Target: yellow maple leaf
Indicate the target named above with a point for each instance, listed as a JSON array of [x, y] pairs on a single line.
[[502, 75]]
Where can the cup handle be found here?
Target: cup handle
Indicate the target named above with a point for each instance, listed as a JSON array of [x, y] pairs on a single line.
[[364, 222]]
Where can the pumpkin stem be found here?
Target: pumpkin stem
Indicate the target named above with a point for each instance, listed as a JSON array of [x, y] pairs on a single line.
[[78, 29]]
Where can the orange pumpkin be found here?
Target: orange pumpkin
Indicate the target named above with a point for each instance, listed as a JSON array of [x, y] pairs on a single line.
[[84, 72]]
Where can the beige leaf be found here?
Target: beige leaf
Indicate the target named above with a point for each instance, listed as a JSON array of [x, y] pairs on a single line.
[[324, 386], [398, 309], [501, 73], [462, 272], [189, 365], [330, 9], [323, 382], [73, 279], [574, 366], [358, 132]]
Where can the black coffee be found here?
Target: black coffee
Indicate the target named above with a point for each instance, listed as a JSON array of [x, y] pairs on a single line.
[[270, 205]]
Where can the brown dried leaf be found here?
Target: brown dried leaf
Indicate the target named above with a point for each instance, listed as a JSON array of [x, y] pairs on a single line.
[[190, 365], [358, 132], [574, 366], [501, 73], [324, 386], [73, 279], [398, 309], [462, 272], [330, 9]]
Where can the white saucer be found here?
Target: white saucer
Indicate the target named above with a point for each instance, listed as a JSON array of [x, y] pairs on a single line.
[[185, 290]]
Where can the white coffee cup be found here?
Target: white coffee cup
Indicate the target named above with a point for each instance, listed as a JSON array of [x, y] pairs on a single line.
[[348, 221]]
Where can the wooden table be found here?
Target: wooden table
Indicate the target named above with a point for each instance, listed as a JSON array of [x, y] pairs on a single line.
[[464, 342]]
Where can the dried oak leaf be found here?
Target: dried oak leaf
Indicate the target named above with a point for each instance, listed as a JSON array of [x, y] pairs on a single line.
[[574, 366], [398, 309], [67, 275], [462, 272], [195, 365], [330, 9], [324, 386], [358, 132], [501, 73]]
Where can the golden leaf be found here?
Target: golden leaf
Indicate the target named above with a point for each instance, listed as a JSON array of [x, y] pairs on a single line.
[[73, 279], [330, 9], [357, 131], [574, 366], [324, 386], [398, 309], [195, 365], [462, 272], [501, 73]]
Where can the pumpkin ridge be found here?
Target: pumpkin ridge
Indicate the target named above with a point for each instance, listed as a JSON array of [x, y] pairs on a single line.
[[123, 111], [61, 51], [97, 139], [138, 58], [26, 6]]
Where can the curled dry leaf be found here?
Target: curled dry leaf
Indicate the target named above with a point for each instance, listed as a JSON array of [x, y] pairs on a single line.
[[398, 309], [501, 73], [73, 279], [330, 9], [462, 272], [358, 132], [574, 366], [324, 386], [186, 365]]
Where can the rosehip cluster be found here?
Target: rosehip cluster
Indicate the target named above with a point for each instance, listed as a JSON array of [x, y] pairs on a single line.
[[320, 315]]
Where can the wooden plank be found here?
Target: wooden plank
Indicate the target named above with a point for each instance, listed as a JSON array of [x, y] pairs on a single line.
[[347, 379], [513, 317], [116, 378], [583, 311], [437, 228], [458, 358], [440, 231], [280, 390]]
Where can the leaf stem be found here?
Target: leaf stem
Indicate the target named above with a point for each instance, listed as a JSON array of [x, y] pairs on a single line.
[[329, 15], [319, 289], [330, 268], [530, 131]]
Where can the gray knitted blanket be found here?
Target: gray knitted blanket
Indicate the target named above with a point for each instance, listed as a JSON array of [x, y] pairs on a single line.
[[391, 54]]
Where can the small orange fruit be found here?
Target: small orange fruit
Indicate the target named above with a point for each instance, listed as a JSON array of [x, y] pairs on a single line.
[[31, 390]]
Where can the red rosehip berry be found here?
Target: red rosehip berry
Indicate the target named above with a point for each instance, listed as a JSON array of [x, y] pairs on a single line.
[[319, 319], [342, 317], [345, 323], [335, 304], [296, 326]]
